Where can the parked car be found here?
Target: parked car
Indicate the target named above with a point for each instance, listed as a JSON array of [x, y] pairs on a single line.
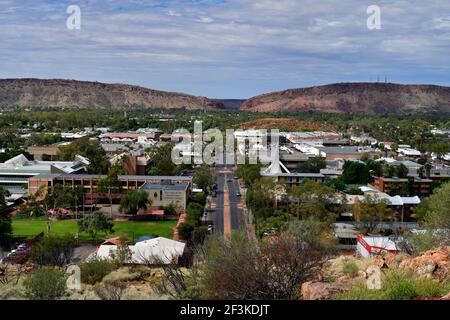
[[238, 194]]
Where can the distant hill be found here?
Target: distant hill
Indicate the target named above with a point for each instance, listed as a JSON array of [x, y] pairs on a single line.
[[84, 94], [356, 98]]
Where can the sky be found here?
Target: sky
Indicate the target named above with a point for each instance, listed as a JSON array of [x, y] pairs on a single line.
[[226, 48]]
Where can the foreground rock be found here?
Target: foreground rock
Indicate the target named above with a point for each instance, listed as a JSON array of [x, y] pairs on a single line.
[[326, 290], [431, 264]]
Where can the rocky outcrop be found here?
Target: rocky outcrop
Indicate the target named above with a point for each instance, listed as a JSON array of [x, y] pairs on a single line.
[[315, 290], [431, 264], [356, 98], [83, 94]]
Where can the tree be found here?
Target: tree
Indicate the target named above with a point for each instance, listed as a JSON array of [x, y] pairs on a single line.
[[434, 211], [371, 211], [48, 201], [89, 149], [312, 199], [249, 172], [242, 269], [46, 283], [95, 223], [261, 199], [312, 165], [161, 163], [5, 220], [203, 178], [355, 172], [133, 201], [109, 186], [53, 250], [311, 232]]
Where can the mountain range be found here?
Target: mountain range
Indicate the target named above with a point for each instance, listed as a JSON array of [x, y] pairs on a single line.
[[358, 97]]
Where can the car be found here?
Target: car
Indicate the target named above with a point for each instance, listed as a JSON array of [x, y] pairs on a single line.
[[235, 177], [210, 227], [238, 194], [229, 180]]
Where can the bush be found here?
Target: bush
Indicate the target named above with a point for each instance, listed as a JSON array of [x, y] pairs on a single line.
[[53, 250], [94, 270], [399, 285], [200, 198], [46, 283], [349, 268], [400, 289], [110, 290]]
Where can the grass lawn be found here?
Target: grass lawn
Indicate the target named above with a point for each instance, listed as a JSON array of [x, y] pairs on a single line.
[[29, 228]]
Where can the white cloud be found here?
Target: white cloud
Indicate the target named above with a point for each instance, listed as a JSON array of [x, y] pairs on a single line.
[[205, 19], [233, 47]]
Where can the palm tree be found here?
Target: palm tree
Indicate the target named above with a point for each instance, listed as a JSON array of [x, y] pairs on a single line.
[[133, 201]]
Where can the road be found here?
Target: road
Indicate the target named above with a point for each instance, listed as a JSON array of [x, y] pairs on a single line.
[[228, 214]]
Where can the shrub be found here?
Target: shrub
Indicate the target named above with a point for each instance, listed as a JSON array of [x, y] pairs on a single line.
[[399, 285], [110, 290], [349, 268], [47, 283], [122, 255], [93, 271], [400, 289], [53, 250]]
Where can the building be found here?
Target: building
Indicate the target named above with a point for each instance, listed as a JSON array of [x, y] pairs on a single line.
[[156, 251], [372, 246], [281, 174], [403, 207], [162, 190], [135, 165], [301, 137], [408, 152], [39, 152], [347, 153], [417, 186], [364, 139], [89, 182], [142, 135], [291, 157], [16, 172], [162, 195]]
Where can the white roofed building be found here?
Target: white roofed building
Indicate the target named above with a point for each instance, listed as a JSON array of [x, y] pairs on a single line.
[[155, 251]]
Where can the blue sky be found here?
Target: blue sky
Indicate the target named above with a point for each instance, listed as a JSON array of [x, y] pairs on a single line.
[[226, 48]]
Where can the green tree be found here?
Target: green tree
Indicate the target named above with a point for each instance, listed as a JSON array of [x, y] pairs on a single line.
[[89, 149], [53, 250], [356, 172], [371, 211], [312, 199], [261, 198], [95, 223], [5, 220], [203, 178], [312, 165], [133, 201], [161, 163], [434, 211], [46, 283], [109, 186], [249, 172]]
